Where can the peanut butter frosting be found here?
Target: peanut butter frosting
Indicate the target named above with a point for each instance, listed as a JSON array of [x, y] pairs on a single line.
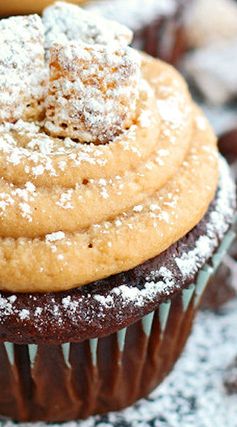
[[105, 161]]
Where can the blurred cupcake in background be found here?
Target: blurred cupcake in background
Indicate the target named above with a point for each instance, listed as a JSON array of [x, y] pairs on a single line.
[[211, 68], [211, 65], [157, 25]]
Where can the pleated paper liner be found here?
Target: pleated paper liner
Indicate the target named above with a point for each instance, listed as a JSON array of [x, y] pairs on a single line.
[[75, 380], [223, 284]]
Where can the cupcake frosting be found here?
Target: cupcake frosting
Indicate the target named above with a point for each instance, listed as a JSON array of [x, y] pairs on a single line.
[[101, 167]]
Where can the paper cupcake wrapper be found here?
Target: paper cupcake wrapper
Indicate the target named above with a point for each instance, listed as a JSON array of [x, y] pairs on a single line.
[[101, 374], [222, 285]]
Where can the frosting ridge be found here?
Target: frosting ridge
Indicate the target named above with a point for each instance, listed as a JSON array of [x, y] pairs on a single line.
[[75, 208]]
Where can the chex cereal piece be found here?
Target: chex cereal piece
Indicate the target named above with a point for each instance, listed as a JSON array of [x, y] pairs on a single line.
[[22, 67], [93, 91], [66, 22]]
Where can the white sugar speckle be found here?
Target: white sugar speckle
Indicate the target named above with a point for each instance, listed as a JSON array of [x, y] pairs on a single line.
[[24, 314], [38, 170], [201, 123], [26, 211], [54, 237], [70, 305], [65, 200], [38, 311], [138, 208], [170, 111]]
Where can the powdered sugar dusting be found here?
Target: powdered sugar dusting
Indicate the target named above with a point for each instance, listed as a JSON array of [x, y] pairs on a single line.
[[20, 198], [170, 111], [41, 153], [93, 91], [159, 282], [53, 237], [190, 262], [66, 22], [64, 201], [22, 69], [139, 296], [7, 308]]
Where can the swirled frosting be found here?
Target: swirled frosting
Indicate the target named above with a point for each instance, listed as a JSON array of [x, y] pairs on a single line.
[[74, 211]]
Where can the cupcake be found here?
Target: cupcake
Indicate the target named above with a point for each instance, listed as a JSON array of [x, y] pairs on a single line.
[[157, 25], [115, 210], [219, 30]]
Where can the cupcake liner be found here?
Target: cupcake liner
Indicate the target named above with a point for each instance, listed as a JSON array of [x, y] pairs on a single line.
[[223, 249], [101, 374], [221, 288]]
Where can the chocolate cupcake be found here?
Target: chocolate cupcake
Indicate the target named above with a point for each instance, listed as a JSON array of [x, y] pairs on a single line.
[[115, 211], [157, 25]]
